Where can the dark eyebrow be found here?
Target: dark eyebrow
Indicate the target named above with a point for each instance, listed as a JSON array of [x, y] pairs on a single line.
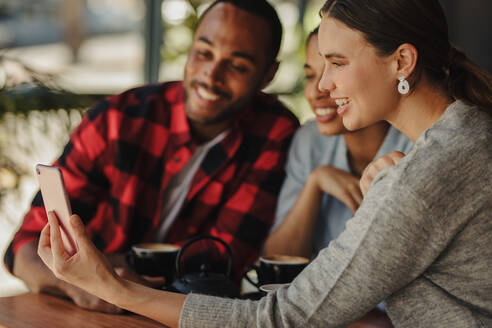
[[204, 39], [244, 56], [334, 54], [240, 54]]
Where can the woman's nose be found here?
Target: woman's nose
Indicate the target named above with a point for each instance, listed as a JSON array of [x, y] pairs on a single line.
[[326, 83], [313, 91]]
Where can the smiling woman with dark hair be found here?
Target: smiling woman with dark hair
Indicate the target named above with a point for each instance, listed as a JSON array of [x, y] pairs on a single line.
[[321, 190], [421, 237]]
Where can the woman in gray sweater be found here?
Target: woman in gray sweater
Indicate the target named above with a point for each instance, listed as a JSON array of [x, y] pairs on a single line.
[[422, 237]]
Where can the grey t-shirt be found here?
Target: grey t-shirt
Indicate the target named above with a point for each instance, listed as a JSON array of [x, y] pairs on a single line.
[[309, 150], [421, 240]]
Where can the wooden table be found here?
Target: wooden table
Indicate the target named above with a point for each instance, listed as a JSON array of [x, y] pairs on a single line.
[[41, 311]]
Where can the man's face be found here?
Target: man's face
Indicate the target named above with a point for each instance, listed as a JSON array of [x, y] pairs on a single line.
[[228, 63]]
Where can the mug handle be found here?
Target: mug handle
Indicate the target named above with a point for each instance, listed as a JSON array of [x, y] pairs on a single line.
[[257, 270]]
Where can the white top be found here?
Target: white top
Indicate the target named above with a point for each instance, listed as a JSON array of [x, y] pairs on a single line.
[[179, 186]]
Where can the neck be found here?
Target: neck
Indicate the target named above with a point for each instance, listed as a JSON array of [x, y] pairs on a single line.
[[418, 111], [363, 145]]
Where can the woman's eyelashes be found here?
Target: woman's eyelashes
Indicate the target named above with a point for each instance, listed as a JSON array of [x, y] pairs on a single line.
[[309, 76], [336, 64]]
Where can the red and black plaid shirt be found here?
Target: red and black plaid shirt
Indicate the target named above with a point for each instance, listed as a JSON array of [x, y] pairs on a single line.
[[120, 159]]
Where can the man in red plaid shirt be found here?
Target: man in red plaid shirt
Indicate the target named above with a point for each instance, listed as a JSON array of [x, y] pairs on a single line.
[[164, 163]]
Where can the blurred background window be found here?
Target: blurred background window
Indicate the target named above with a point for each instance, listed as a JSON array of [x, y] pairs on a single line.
[[90, 46], [59, 57]]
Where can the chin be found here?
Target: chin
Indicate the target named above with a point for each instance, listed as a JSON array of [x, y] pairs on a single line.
[[201, 119], [330, 130], [199, 115], [352, 125]]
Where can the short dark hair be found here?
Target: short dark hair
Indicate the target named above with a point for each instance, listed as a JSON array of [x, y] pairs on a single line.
[[386, 24], [259, 8]]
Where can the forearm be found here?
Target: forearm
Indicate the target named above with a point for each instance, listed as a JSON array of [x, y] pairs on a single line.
[[161, 306], [346, 280], [294, 236]]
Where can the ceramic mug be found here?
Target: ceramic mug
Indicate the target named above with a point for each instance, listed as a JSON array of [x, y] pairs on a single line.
[[153, 259], [277, 269]]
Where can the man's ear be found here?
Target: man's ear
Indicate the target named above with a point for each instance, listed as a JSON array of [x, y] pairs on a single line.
[[406, 57], [269, 75]]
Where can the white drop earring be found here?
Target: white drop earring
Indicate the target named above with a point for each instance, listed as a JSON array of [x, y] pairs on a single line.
[[403, 86]]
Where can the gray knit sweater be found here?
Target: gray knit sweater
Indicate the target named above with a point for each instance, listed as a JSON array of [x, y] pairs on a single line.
[[421, 240]]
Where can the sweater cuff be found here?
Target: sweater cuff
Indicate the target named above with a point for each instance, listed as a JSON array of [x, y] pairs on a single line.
[[205, 311]]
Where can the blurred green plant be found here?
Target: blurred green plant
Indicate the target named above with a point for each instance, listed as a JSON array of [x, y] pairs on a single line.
[[25, 90], [27, 97], [36, 118]]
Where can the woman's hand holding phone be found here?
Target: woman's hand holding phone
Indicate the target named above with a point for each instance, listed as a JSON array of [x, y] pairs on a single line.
[[87, 269], [68, 252], [55, 199]]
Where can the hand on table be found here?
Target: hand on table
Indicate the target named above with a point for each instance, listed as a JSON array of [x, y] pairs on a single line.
[[376, 166], [340, 184]]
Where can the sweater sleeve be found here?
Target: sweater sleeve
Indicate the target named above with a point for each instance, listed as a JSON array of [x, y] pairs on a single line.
[[373, 258]]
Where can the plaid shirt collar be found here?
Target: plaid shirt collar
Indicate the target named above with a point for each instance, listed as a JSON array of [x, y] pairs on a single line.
[[182, 137]]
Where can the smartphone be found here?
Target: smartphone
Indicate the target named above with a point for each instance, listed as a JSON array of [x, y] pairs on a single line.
[[55, 198]]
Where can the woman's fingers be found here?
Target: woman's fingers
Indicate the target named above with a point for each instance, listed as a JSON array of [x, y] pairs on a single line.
[[357, 194], [352, 205], [60, 255], [377, 166], [78, 229], [341, 185], [365, 182], [44, 246], [350, 201], [396, 156]]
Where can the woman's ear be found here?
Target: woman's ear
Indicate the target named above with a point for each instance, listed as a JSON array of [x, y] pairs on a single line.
[[406, 57]]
